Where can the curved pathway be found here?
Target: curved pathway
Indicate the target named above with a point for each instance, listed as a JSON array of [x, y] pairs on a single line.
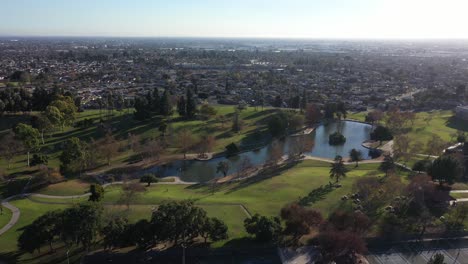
[[15, 215]]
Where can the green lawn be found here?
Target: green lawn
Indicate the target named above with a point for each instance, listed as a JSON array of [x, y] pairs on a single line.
[[459, 195], [5, 217], [265, 196], [441, 124], [70, 187], [29, 212]]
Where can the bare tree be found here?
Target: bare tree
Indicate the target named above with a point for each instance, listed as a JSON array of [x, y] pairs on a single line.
[[185, 141], [9, 147], [152, 149], [108, 147], [244, 167], [130, 192]]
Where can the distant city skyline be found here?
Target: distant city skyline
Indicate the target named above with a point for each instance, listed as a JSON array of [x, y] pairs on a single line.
[[358, 19]]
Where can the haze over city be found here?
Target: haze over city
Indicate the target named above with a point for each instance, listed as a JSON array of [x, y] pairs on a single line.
[[244, 18]]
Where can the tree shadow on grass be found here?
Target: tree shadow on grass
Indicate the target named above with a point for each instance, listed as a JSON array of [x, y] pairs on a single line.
[[264, 174], [259, 114], [316, 195]]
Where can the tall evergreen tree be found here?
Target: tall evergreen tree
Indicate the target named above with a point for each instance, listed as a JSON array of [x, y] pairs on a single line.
[[182, 106], [304, 100], [166, 107], [156, 106], [191, 104]]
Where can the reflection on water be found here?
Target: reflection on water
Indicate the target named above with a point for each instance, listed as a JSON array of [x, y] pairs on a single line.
[[201, 171]]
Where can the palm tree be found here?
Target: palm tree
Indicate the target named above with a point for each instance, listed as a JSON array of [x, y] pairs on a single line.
[[338, 170], [356, 156]]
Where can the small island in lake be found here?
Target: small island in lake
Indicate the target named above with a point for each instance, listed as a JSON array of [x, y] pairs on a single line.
[[336, 139]]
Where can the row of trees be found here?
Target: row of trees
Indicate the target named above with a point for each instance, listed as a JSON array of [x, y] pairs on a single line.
[[83, 224]]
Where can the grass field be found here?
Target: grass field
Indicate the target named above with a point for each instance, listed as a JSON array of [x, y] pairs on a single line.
[[5, 217], [70, 187], [29, 212], [441, 124]]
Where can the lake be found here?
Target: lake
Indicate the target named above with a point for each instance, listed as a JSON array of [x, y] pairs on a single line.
[[202, 171]]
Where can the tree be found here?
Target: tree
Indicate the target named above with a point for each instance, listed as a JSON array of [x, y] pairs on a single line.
[[381, 133], [338, 170], [401, 144], [162, 128], [207, 111], [10, 147], [304, 100], [355, 155], [130, 191], [155, 105], [81, 223], [72, 156], [299, 220], [263, 228], [278, 102], [166, 106], [179, 221], [387, 165], [39, 160], [206, 144], [142, 109], [444, 169], [236, 122], [296, 121], [223, 167], [41, 123], [148, 179], [97, 192], [438, 258], [113, 231], [152, 149], [435, 146], [336, 139], [182, 106], [191, 104], [67, 108], [185, 141], [278, 125], [340, 246], [374, 116], [107, 147], [43, 230], [29, 136], [214, 229], [54, 116]]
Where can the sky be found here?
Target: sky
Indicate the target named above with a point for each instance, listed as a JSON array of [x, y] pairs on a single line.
[[369, 19]]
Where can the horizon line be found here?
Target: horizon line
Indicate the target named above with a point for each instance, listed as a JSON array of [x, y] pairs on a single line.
[[238, 37]]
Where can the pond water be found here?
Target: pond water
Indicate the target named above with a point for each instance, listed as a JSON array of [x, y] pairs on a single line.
[[202, 171]]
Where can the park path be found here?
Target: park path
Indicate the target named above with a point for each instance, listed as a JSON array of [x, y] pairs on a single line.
[[15, 215]]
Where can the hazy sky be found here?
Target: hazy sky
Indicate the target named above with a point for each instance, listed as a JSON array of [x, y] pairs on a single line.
[[237, 18]]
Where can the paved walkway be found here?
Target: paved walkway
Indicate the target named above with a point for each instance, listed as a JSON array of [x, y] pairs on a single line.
[[14, 216]]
